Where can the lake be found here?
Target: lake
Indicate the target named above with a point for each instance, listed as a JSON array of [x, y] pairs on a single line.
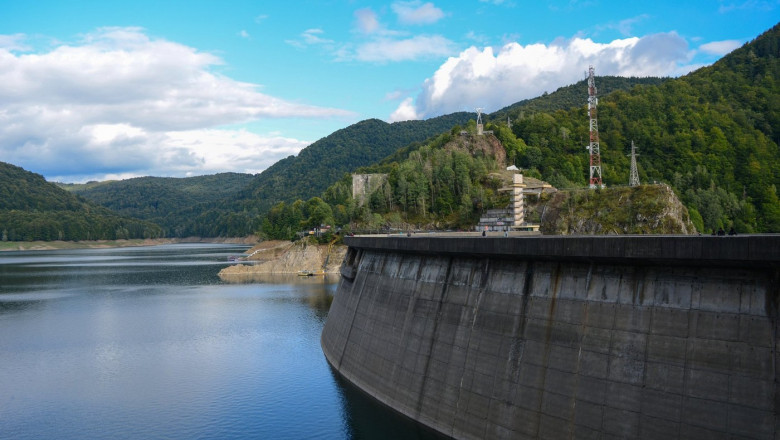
[[149, 343]]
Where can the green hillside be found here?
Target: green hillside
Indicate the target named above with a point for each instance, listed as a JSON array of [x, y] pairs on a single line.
[[33, 209], [231, 204], [570, 96], [711, 135], [168, 202], [325, 161]]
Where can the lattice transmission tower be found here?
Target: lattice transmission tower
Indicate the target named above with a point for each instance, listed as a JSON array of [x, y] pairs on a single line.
[[633, 177], [595, 156]]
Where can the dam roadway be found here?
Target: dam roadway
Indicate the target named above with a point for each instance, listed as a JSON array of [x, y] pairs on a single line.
[[564, 337]]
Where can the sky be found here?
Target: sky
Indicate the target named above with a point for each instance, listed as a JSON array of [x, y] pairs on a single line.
[[99, 90]]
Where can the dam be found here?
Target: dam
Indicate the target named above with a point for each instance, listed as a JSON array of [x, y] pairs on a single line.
[[564, 337]]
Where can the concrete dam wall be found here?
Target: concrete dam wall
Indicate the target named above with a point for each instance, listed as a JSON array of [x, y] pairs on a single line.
[[564, 337]]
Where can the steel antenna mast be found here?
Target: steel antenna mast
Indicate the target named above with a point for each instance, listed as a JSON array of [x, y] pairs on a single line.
[[633, 177], [595, 156]]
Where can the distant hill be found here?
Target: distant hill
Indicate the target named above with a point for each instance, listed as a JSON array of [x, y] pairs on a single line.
[[33, 209], [168, 202], [320, 164], [571, 96], [230, 204]]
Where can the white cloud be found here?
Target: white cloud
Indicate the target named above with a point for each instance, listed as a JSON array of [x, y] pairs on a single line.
[[244, 34], [755, 5], [395, 95], [13, 42], [174, 153], [385, 45], [367, 21], [312, 36], [378, 44], [625, 27], [405, 111], [230, 150], [720, 47], [414, 48], [415, 12], [482, 78], [120, 102]]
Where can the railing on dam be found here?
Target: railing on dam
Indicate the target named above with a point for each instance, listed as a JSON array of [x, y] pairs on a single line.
[[733, 251]]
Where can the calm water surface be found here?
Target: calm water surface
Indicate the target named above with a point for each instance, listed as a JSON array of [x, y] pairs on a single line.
[[150, 343]]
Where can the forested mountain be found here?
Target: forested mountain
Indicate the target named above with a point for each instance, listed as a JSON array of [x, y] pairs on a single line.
[[570, 96], [192, 206], [450, 182], [325, 161], [712, 135], [369, 141], [231, 204], [33, 209], [166, 201], [439, 182]]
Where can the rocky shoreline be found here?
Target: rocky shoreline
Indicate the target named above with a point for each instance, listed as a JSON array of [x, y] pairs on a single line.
[[283, 257]]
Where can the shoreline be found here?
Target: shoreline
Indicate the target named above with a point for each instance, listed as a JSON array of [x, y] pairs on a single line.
[[11, 246], [283, 257]]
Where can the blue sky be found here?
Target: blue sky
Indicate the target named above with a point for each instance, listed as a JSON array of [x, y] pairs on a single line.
[[95, 90]]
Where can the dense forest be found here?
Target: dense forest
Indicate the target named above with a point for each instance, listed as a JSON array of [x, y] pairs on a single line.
[[443, 184], [172, 203], [712, 135], [570, 96], [192, 207], [239, 208], [33, 209], [325, 161]]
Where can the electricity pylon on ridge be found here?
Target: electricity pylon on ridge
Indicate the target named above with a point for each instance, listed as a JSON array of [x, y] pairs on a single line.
[[595, 155], [633, 177]]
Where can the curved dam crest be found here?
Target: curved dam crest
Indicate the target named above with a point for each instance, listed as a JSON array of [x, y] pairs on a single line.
[[553, 337]]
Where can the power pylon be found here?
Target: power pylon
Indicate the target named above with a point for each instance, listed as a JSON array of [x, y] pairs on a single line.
[[633, 177], [595, 155]]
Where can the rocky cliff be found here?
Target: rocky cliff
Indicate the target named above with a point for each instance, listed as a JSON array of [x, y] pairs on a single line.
[[487, 145], [645, 209], [280, 257]]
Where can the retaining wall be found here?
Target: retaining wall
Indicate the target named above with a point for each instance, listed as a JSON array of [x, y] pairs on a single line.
[[564, 337]]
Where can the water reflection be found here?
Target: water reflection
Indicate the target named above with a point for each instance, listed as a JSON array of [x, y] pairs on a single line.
[[151, 343], [319, 289], [369, 419]]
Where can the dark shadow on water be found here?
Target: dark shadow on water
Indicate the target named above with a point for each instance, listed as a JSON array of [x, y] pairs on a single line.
[[369, 419], [319, 289]]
